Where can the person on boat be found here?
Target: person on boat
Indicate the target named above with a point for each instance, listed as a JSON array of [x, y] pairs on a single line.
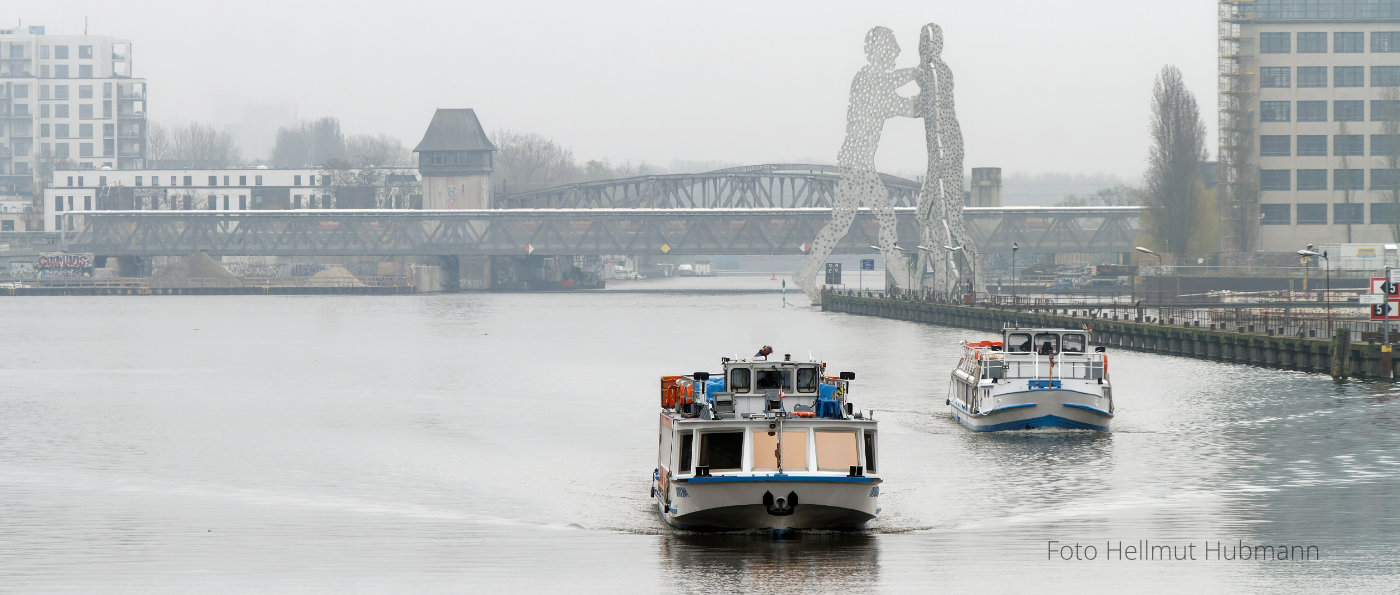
[[1047, 349]]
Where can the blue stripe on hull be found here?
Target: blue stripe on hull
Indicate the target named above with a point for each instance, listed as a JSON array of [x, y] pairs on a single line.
[[1044, 421]]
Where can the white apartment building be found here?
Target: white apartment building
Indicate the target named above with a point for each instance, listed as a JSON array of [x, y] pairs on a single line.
[[1306, 86], [242, 189], [69, 100]]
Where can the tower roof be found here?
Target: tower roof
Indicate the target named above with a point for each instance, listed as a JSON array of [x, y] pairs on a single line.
[[454, 130]]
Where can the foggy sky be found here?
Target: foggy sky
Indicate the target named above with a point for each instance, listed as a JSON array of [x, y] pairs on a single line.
[[1041, 86]]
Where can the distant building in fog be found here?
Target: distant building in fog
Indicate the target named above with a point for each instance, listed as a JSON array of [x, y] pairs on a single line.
[[455, 160], [228, 190], [69, 101]]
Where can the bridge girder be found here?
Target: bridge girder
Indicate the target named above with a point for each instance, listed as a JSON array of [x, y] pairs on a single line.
[[566, 231]]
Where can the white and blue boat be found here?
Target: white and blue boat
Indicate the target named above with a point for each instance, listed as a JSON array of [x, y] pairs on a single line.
[[1032, 378], [764, 445]]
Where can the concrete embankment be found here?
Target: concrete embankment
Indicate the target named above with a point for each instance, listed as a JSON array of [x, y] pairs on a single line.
[[1339, 356]]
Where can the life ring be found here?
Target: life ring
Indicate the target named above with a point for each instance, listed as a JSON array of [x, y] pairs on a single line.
[[805, 413]]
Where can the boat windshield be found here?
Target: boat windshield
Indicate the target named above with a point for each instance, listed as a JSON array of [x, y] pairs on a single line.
[[769, 379], [1018, 342], [806, 379], [1074, 343], [739, 380], [1047, 343]]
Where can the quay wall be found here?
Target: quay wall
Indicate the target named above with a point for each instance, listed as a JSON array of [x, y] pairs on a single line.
[[1339, 356]]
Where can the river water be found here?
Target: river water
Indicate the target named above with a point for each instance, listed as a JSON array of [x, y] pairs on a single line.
[[506, 441]]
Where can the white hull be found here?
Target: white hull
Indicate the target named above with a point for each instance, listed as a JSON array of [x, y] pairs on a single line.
[[739, 503], [1027, 410]]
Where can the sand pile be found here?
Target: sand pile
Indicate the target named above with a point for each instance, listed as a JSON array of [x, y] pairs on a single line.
[[195, 270], [336, 277]]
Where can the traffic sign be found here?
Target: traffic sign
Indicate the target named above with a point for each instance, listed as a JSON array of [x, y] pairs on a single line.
[[1390, 310], [1379, 285], [867, 264]]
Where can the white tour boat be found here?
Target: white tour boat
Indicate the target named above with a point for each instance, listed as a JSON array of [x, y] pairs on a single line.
[[1032, 378], [764, 445]]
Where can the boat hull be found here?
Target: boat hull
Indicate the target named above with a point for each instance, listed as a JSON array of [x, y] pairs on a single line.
[[759, 502], [1038, 409]]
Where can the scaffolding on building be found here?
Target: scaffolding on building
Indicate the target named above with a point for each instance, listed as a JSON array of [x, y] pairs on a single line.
[[1239, 184]]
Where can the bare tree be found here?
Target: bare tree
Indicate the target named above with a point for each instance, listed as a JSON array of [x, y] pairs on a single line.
[[1174, 187], [157, 143], [309, 144], [364, 150], [532, 161]]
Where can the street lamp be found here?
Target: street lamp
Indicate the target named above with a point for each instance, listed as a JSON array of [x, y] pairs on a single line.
[[1014, 248], [932, 254], [1327, 266], [907, 273], [1159, 272]]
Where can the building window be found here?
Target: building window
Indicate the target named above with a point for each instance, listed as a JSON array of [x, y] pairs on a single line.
[[21, 91], [173, 181], [84, 91], [84, 71], [1312, 214], [44, 52], [60, 71], [296, 201], [1348, 179], [257, 180], [1351, 110], [296, 180], [138, 180], [1274, 43], [1274, 214], [60, 110], [1312, 43], [213, 180], [1348, 76], [7, 225], [43, 131], [1275, 145], [60, 149], [1312, 111], [60, 91], [85, 131], [84, 52], [225, 180], [1312, 179], [60, 130], [1312, 76], [1349, 42], [1385, 179], [1385, 76], [213, 203], [1274, 111], [1344, 213], [1275, 179], [60, 52], [1383, 212], [58, 204], [1383, 144], [44, 110], [189, 181], [1348, 145], [225, 202], [242, 180], [85, 149], [87, 203], [242, 202], [1385, 109], [1385, 41], [1275, 77]]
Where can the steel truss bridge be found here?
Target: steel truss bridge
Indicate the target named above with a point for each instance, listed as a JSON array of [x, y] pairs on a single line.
[[569, 231], [770, 186]]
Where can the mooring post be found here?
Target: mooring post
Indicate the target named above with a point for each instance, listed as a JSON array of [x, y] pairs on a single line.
[[1341, 349]]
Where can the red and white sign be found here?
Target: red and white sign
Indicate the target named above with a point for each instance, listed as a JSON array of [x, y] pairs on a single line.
[[806, 247], [1390, 310], [529, 249]]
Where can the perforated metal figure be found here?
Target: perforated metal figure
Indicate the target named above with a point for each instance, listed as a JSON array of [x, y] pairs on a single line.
[[873, 100], [941, 198]]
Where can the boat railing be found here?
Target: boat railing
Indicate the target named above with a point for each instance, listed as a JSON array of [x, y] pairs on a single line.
[[998, 366]]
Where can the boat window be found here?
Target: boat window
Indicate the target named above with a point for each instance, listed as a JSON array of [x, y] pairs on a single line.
[[739, 380], [870, 451], [687, 444], [765, 450], [1047, 343], [836, 451], [721, 451], [806, 379], [1020, 342], [1074, 343], [767, 379]]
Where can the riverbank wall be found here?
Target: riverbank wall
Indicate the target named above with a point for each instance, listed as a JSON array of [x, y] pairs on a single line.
[[1338, 356]]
